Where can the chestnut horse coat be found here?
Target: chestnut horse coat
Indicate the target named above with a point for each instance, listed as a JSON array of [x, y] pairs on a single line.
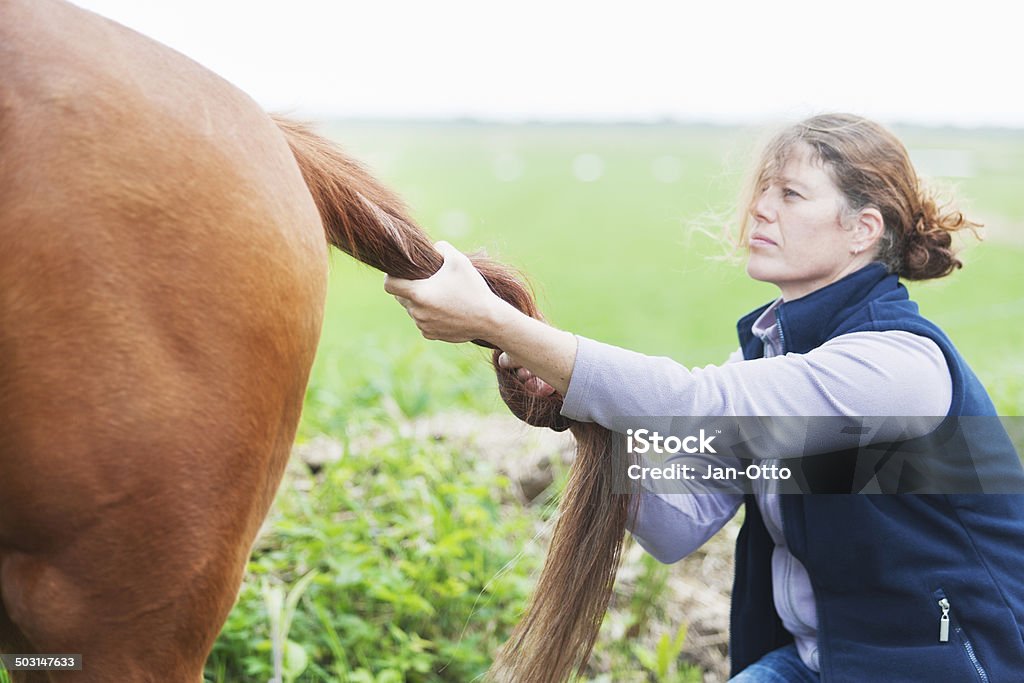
[[162, 277]]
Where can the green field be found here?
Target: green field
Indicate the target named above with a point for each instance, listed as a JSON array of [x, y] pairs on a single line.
[[624, 259]]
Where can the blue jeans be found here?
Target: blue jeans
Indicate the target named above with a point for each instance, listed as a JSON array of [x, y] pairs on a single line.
[[779, 666]]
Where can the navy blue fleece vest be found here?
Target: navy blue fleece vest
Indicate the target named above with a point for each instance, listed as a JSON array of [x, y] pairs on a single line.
[[881, 564]]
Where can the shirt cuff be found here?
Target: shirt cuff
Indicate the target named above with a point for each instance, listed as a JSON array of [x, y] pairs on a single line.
[[574, 401]]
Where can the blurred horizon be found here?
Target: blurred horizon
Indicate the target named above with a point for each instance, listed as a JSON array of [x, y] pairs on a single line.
[[571, 61], [667, 122]]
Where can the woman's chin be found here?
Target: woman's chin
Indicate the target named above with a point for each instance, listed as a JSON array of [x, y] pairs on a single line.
[[758, 270]]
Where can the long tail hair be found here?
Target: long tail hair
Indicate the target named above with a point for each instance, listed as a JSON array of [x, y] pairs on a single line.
[[557, 632]]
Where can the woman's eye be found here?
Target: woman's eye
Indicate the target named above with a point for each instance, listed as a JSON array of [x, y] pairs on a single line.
[[786, 192]]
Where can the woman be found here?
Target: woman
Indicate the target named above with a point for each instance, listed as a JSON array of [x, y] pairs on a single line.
[[847, 588]]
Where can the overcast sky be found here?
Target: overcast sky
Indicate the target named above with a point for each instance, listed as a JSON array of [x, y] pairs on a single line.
[[641, 60]]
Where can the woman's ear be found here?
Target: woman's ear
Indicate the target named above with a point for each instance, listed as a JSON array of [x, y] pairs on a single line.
[[867, 230]]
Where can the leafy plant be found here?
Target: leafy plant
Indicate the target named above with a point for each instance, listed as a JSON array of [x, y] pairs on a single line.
[[411, 570]]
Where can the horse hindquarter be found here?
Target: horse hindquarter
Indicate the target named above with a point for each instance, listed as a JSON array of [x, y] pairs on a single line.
[[162, 274]]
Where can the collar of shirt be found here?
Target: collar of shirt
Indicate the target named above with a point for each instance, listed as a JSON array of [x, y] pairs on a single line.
[[765, 329]]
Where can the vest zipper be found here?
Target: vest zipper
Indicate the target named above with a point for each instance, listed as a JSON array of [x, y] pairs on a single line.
[[782, 336], [824, 655], [944, 621], [973, 657]]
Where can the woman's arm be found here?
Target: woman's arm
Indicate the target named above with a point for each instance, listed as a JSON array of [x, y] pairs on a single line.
[[670, 526], [890, 373], [548, 353], [860, 374]]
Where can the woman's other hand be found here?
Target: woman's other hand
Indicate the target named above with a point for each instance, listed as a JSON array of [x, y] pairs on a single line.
[[533, 384]]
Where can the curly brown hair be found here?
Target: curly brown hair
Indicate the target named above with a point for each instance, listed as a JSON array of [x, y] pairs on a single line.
[[871, 169]]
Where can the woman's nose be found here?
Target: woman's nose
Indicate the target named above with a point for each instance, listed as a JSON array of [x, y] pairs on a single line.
[[763, 209]]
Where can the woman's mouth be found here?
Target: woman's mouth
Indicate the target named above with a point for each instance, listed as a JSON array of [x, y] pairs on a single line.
[[761, 241]]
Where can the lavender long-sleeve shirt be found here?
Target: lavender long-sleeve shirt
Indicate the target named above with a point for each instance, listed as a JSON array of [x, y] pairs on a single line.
[[857, 374]]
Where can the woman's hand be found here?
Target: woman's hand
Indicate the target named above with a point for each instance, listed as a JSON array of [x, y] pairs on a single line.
[[533, 384], [454, 304]]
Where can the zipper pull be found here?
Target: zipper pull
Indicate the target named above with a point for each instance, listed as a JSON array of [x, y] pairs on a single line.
[[944, 621]]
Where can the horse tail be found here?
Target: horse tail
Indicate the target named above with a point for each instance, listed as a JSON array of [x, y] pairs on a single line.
[[360, 216], [557, 632]]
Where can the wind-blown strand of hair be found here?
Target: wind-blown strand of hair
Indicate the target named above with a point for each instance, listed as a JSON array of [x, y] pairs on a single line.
[[556, 634]]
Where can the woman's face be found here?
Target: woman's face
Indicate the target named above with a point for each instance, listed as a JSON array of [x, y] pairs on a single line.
[[797, 241]]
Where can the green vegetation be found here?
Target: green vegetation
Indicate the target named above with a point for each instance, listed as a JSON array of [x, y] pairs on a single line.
[[406, 561], [401, 549]]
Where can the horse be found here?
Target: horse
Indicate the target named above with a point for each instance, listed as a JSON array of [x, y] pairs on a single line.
[[163, 265]]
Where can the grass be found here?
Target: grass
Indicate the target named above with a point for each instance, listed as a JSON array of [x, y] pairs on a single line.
[[400, 548], [623, 259], [410, 560]]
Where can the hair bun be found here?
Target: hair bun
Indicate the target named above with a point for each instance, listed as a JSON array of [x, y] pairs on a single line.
[[928, 248]]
